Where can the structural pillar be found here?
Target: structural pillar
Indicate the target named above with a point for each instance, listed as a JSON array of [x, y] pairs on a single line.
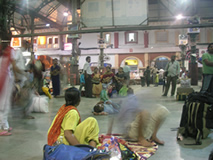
[[101, 56], [193, 68], [32, 37], [74, 75]]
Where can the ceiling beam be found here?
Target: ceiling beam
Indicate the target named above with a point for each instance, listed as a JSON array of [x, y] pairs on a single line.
[[119, 29], [25, 11]]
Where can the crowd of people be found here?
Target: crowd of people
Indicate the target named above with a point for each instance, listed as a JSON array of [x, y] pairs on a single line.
[[67, 128]]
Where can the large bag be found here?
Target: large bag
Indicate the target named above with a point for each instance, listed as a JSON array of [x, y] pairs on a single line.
[[197, 116], [78, 152], [40, 104]]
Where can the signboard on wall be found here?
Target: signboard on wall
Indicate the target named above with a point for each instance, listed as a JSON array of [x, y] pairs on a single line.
[[67, 46], [97, 13]]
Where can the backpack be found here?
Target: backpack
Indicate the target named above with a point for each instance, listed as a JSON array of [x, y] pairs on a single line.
[[77, 152], [197, 117]]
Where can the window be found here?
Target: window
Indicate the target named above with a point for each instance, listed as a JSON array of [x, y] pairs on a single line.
[[55, 43], [107, 37], [49, 42], [131, 37]]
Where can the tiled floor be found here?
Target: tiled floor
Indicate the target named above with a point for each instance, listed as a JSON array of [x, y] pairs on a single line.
[[29, 136]]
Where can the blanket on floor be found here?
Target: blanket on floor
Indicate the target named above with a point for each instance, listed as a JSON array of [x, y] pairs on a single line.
[[143, 153]]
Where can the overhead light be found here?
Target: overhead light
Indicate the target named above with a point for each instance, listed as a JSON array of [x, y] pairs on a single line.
[[180, 16], [65, 14], [47, 25]]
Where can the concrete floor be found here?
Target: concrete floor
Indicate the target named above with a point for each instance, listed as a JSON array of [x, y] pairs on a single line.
[[29, 136]]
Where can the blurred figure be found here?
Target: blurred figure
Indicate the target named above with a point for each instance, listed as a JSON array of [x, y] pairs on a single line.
[[55, 76], [7, 60], [127, 70], [38, 67], [147, 76], [20, 63], [139, 125], [173, 71]]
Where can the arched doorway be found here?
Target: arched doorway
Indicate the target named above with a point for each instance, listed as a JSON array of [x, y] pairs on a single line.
[[161, 62], [133, 62], [135, 65]]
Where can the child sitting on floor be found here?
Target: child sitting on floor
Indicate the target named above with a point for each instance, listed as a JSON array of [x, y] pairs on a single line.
[[139, 125], [104, 96], [107, 107], [67, 127]]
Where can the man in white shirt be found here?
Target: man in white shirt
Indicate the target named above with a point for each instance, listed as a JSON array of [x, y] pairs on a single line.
[[88, 77], [127, 70]]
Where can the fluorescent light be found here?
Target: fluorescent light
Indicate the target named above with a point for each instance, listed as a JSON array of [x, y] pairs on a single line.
[[47, 25], [65, 14], [180, 16]]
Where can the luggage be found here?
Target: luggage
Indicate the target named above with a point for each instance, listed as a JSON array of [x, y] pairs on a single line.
[[197, 116], [182, 93], [78, 152]]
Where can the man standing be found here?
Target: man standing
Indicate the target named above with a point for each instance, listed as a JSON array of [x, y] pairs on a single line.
[[88, 77], [173, 70], [127, 70], [55, 72], [207, 61], [147, 76]]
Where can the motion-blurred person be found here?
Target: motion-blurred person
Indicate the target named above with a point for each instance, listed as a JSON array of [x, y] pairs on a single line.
[[38, 69], [127, 70], [20, 63], [55, 76], [6, 82], [139, 125], [173, 71], [207, 61]]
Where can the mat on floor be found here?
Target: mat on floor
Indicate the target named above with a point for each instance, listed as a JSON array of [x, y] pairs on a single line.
[[143, 153]]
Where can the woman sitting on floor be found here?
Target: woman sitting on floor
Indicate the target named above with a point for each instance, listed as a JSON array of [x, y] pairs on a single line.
[[67, 127], [108, 76], [97, 85], [119, 79]]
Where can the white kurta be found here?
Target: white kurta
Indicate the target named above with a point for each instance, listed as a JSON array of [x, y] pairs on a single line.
[[5, 97]]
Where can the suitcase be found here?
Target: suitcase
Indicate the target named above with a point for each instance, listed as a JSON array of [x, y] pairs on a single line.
[[182, 93]]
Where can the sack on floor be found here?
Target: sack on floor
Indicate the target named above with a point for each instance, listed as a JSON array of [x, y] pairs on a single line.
[[78, 152], [197, 117], [40, 104]]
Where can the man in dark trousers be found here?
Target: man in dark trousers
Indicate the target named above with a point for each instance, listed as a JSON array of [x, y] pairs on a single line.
[[173, 69], [88, 78], [55, 76]]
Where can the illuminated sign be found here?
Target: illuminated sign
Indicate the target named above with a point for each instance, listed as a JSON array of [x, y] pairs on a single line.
[[67, 46]]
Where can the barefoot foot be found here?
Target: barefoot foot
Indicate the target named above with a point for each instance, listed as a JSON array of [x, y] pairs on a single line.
[[146, 143], [157, 141]]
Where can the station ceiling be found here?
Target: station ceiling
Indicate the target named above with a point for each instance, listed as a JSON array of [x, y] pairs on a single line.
[[51, 12]]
